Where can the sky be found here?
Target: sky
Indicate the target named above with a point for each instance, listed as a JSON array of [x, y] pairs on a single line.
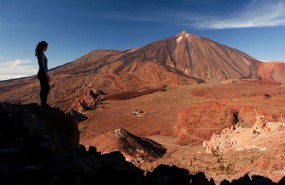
[[74, 28]]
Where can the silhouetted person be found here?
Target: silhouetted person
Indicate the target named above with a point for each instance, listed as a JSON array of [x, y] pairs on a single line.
[[42, 73]]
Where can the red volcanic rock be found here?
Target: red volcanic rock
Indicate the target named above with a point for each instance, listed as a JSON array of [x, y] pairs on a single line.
[[248, 98], [247, 116], [88, 99], [198, 122]]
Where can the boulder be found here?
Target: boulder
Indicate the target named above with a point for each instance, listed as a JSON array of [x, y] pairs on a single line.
[[88, 100]]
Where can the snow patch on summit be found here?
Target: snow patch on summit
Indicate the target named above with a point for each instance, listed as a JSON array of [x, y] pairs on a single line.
[[183, 34], [178, 39], [180, 36]]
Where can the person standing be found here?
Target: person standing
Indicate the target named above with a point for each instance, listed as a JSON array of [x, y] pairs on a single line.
[[43, 72]]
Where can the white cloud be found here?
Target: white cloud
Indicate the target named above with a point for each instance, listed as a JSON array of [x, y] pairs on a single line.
[[16, 68], [8, 77], [258, 13]]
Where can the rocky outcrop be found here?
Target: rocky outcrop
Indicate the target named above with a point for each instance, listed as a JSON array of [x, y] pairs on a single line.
[[77, 116], [88, 100], [23, 123], [42, 147], [77, 166], [135, 149], [263, 135]]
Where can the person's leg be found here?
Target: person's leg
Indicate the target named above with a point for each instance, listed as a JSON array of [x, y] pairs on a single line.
[[45, 87], [45, 91]]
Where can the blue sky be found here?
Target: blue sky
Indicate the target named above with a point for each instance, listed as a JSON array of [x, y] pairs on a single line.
[[76, 27]]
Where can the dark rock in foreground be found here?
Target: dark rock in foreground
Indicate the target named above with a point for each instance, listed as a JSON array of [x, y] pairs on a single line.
[[21, 123], [42, 147]]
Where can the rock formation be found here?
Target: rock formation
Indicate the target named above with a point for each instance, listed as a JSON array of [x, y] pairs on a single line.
[[88, 100], [261, 136], [24, 123], [135, 149]]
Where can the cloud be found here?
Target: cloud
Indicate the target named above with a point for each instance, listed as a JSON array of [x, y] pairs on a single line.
[[8, 77], [16, 68], [258, 13]]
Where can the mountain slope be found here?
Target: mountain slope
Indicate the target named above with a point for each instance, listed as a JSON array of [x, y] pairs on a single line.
[[272, 71], [196, 57]]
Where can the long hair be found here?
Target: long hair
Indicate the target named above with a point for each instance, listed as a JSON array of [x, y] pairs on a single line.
[[41, 45]]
